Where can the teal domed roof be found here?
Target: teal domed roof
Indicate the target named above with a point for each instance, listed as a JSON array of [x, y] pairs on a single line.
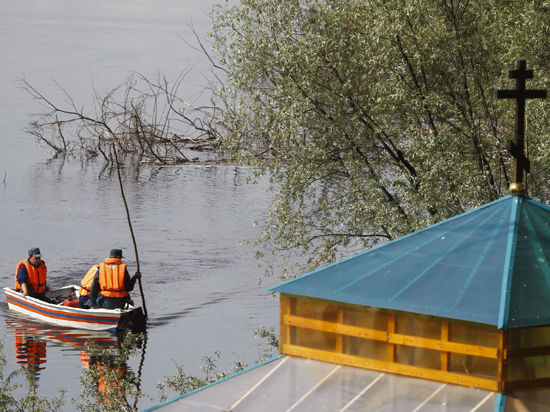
[[489, 265]]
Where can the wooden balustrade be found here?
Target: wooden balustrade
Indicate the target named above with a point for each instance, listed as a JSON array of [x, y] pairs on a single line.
[[415, 345]]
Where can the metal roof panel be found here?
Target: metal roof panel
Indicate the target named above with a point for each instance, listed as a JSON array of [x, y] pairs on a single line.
[[293, 384], [472, 267]]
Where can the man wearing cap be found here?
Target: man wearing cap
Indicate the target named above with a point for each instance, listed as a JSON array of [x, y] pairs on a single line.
[[30, 276], [112, 283]]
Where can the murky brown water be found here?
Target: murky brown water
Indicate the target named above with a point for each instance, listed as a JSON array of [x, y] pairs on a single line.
[[200, 282]]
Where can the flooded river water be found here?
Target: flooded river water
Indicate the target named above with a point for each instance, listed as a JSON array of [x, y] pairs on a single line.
[[200, 279]]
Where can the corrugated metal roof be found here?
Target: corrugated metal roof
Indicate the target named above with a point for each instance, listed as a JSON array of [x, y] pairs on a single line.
[[293, 384], [489, 265]]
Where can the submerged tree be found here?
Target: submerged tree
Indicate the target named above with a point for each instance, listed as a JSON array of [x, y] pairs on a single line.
[[138, 115], [374, 119]]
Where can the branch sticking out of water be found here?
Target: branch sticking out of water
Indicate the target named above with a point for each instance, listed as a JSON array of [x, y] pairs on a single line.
[[144, 118]]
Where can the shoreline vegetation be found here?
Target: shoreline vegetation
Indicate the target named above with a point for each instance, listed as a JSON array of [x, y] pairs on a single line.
[[108, 385]]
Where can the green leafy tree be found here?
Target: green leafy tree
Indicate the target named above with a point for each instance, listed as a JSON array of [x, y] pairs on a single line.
[[376, 118], [182, 382]]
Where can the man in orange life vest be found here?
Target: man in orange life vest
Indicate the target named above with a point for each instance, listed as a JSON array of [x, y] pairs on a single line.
[[111, 283], [30, 276], [86, 287]]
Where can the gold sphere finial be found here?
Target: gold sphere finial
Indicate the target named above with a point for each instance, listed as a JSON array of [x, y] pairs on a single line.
[[517, 189]]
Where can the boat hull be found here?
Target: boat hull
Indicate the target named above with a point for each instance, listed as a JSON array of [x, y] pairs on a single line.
[[72, 317]]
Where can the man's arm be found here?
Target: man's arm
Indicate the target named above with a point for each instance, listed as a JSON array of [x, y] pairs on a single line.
[[22, 278], [46, 287], [130, 282]]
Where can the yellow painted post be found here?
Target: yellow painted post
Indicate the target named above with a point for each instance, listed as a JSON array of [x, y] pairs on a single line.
[[291, 311], [340, 337], [444, 339], [502, 360], [391, 330], [284, 328]]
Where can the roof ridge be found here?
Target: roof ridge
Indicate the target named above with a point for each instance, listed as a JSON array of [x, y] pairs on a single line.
[[508, 272]]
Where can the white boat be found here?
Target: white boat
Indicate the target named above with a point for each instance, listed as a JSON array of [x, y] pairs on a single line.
[[129, 318]]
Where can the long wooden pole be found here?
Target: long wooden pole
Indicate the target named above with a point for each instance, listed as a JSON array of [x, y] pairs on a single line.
[[130, 225]]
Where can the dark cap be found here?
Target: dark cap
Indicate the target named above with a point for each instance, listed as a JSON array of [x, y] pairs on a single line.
[[116, 253], [34, 252]]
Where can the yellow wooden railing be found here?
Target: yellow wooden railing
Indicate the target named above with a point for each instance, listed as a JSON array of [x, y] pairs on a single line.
[[335, 332]]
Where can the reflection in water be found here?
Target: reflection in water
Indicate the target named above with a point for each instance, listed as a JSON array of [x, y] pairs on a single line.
[[107, 379], [103, 355], [20, 326], [30, 352], [31, 340], [106, 376]]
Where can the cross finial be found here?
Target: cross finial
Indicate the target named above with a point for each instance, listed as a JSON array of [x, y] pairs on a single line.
[[520, 94]]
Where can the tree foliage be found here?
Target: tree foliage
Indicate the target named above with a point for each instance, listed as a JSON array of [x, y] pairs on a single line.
[[182, 382], [371, 118], [19, 390], [376, 118]]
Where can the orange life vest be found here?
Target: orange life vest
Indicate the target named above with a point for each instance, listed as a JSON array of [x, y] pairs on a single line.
[[36, 276], [111, 278], [86, 282]]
